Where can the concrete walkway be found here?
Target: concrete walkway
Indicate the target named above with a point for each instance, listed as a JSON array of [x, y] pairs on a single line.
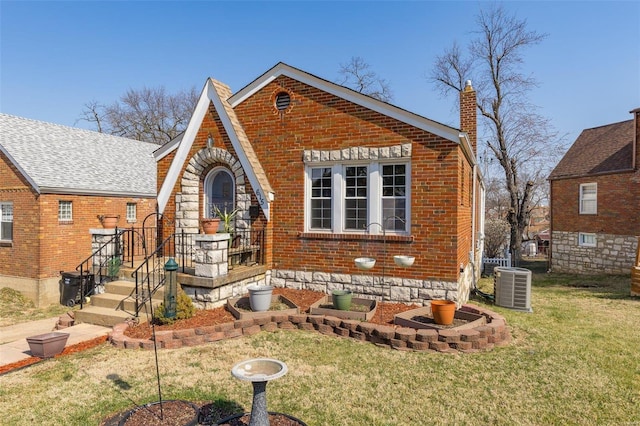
[[13, 338]]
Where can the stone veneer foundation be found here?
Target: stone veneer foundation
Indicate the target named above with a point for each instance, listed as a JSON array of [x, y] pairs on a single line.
[[613, 254], [484, 337], [368, 286]]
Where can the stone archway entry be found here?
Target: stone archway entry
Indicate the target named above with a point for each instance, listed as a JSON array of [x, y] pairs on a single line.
[[189, 202]]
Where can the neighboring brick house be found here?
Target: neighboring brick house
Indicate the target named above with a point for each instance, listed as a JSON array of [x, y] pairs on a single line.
[[595, 201], [55, 181], [324, 169]]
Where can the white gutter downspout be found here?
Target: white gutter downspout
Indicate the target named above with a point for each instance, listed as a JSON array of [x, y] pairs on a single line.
[[474, 200]]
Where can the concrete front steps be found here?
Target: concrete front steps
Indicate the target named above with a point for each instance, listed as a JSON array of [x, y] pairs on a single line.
[[116, 305]]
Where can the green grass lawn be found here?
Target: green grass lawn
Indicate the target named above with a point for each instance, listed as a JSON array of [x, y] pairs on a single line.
[[16, 308], [574, 360]]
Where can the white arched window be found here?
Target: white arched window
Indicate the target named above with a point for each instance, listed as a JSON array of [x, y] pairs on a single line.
[[219, 191]]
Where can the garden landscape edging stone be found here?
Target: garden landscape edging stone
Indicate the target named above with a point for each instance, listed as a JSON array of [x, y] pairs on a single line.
[[481, 338]]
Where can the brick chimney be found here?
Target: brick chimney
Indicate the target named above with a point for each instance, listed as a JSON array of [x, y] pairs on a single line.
[[468, 114]]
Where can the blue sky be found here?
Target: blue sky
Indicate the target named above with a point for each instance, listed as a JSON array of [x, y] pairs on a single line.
[[56, 56]]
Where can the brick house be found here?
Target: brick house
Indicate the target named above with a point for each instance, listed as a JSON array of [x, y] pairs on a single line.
[[595, 201], [333, 175], [55, 181]]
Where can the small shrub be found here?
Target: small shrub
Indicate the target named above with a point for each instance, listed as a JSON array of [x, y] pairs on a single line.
[[184, 309]]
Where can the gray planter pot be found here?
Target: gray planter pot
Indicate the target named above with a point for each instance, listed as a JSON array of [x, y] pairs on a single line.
[[260, 297]]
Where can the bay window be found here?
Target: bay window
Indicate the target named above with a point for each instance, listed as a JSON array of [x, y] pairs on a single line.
[[349, 198]]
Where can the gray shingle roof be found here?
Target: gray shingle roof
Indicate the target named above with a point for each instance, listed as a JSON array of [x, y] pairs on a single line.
[[58, 158]]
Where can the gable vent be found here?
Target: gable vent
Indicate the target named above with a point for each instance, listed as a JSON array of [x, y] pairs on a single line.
[[512, 288], [283, 100]]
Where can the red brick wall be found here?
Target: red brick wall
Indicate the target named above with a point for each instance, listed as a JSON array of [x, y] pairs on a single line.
[[318, 120], [21, 257], [65, 244], [618, 205], [42, 246], [465, 212]]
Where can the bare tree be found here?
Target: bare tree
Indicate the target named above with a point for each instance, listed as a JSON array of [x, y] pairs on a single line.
[[93, 113], [496, 234], [149, 115], [358, 76], [522, 141]]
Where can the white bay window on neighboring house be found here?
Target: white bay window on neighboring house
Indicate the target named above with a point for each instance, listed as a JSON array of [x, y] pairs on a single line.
[[351, 198]]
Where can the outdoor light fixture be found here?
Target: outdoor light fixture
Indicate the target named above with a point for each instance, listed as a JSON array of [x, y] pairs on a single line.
[[210, 141]]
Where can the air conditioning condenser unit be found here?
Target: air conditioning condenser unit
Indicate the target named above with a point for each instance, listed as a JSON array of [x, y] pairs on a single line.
[[512, 288]]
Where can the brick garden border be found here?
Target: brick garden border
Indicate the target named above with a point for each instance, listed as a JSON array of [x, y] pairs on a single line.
[[481, 338]]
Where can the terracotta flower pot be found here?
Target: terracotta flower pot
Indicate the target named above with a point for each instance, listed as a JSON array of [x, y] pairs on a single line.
[[109, 221], [210, 225], [443, 311]]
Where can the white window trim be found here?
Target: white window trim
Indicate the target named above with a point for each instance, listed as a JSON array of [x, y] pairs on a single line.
[[582, 198], [583, 243], [208, 181], [6, 203], [374, 195], [65, 219], [133, 218]]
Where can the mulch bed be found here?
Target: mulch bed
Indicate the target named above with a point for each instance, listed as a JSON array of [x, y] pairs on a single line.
[[302, 298], [205, 317]]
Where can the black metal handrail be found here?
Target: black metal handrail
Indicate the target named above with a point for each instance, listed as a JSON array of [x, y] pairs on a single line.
[[137, 242], [108, 265], [146, 274], [246, 246]]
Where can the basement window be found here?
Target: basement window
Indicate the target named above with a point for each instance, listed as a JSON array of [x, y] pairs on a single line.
[[586, 240]]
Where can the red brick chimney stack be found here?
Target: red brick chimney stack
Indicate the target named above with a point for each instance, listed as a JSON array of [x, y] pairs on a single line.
[[468, 114]]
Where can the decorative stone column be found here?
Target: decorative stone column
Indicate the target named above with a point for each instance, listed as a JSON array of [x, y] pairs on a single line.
[[211, 255], [99, 237]]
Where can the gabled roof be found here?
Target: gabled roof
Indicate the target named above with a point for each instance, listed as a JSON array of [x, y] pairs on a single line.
[[350, 95], [219, 94], [216, 93], [600, 150], [68, 160]]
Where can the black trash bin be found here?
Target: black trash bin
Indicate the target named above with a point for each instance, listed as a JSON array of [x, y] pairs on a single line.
[[73, 285]]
